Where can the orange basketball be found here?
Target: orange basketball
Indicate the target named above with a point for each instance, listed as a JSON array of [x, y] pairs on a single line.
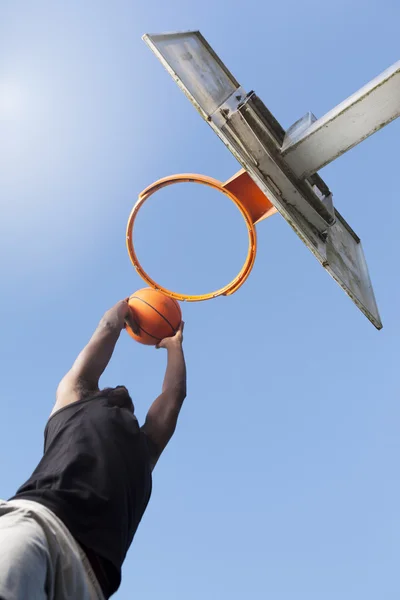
[[157, 315]]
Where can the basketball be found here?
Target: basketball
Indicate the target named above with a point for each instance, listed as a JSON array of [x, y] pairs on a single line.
[[157, 315]]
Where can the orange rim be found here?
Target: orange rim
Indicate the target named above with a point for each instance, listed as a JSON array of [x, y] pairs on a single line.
[[245, 271]]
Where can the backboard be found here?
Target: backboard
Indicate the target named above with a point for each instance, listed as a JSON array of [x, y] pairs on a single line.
[[284, 164]]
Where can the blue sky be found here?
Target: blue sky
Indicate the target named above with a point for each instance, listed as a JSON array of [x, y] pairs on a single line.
[[282, 479]]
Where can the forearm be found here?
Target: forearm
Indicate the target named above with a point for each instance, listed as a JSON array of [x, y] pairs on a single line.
[[175, 375], [96, 355], [164, 411]]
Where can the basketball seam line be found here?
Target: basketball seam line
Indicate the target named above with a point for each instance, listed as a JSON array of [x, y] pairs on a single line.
[[161, 315], [147, 333]]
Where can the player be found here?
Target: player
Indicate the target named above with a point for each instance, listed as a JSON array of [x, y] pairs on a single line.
[[66, 532]]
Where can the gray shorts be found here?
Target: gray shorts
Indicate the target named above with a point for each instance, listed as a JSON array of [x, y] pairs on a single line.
[[39, 558]]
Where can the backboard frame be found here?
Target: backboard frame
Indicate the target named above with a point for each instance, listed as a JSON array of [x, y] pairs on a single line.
[[256, 139]]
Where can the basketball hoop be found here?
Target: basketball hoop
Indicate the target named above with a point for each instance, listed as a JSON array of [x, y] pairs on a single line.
[[245, 271]]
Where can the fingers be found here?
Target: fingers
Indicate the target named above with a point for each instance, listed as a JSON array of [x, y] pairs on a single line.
[[131, 322], [179, 331]]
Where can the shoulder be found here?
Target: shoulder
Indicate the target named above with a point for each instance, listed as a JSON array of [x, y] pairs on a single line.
[[72, 391], [61, 414]]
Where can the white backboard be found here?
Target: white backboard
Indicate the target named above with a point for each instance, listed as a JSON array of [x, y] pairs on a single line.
[[260, 144]]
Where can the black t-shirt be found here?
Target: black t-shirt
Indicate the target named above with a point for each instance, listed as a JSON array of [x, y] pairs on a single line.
[[95, 476]]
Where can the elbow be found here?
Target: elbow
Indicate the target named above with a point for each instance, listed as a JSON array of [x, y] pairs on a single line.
[[182, 389], [181, 393], [178, 392]]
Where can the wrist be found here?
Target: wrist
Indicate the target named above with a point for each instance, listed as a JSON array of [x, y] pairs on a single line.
[[174, 345], [115, 316], [111, 322]]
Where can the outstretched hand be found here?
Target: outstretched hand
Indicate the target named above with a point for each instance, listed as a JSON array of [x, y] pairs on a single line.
[[129, 318], [175, 340]]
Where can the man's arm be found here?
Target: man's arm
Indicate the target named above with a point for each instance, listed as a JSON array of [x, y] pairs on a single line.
[[92, 361], [163, 415]]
